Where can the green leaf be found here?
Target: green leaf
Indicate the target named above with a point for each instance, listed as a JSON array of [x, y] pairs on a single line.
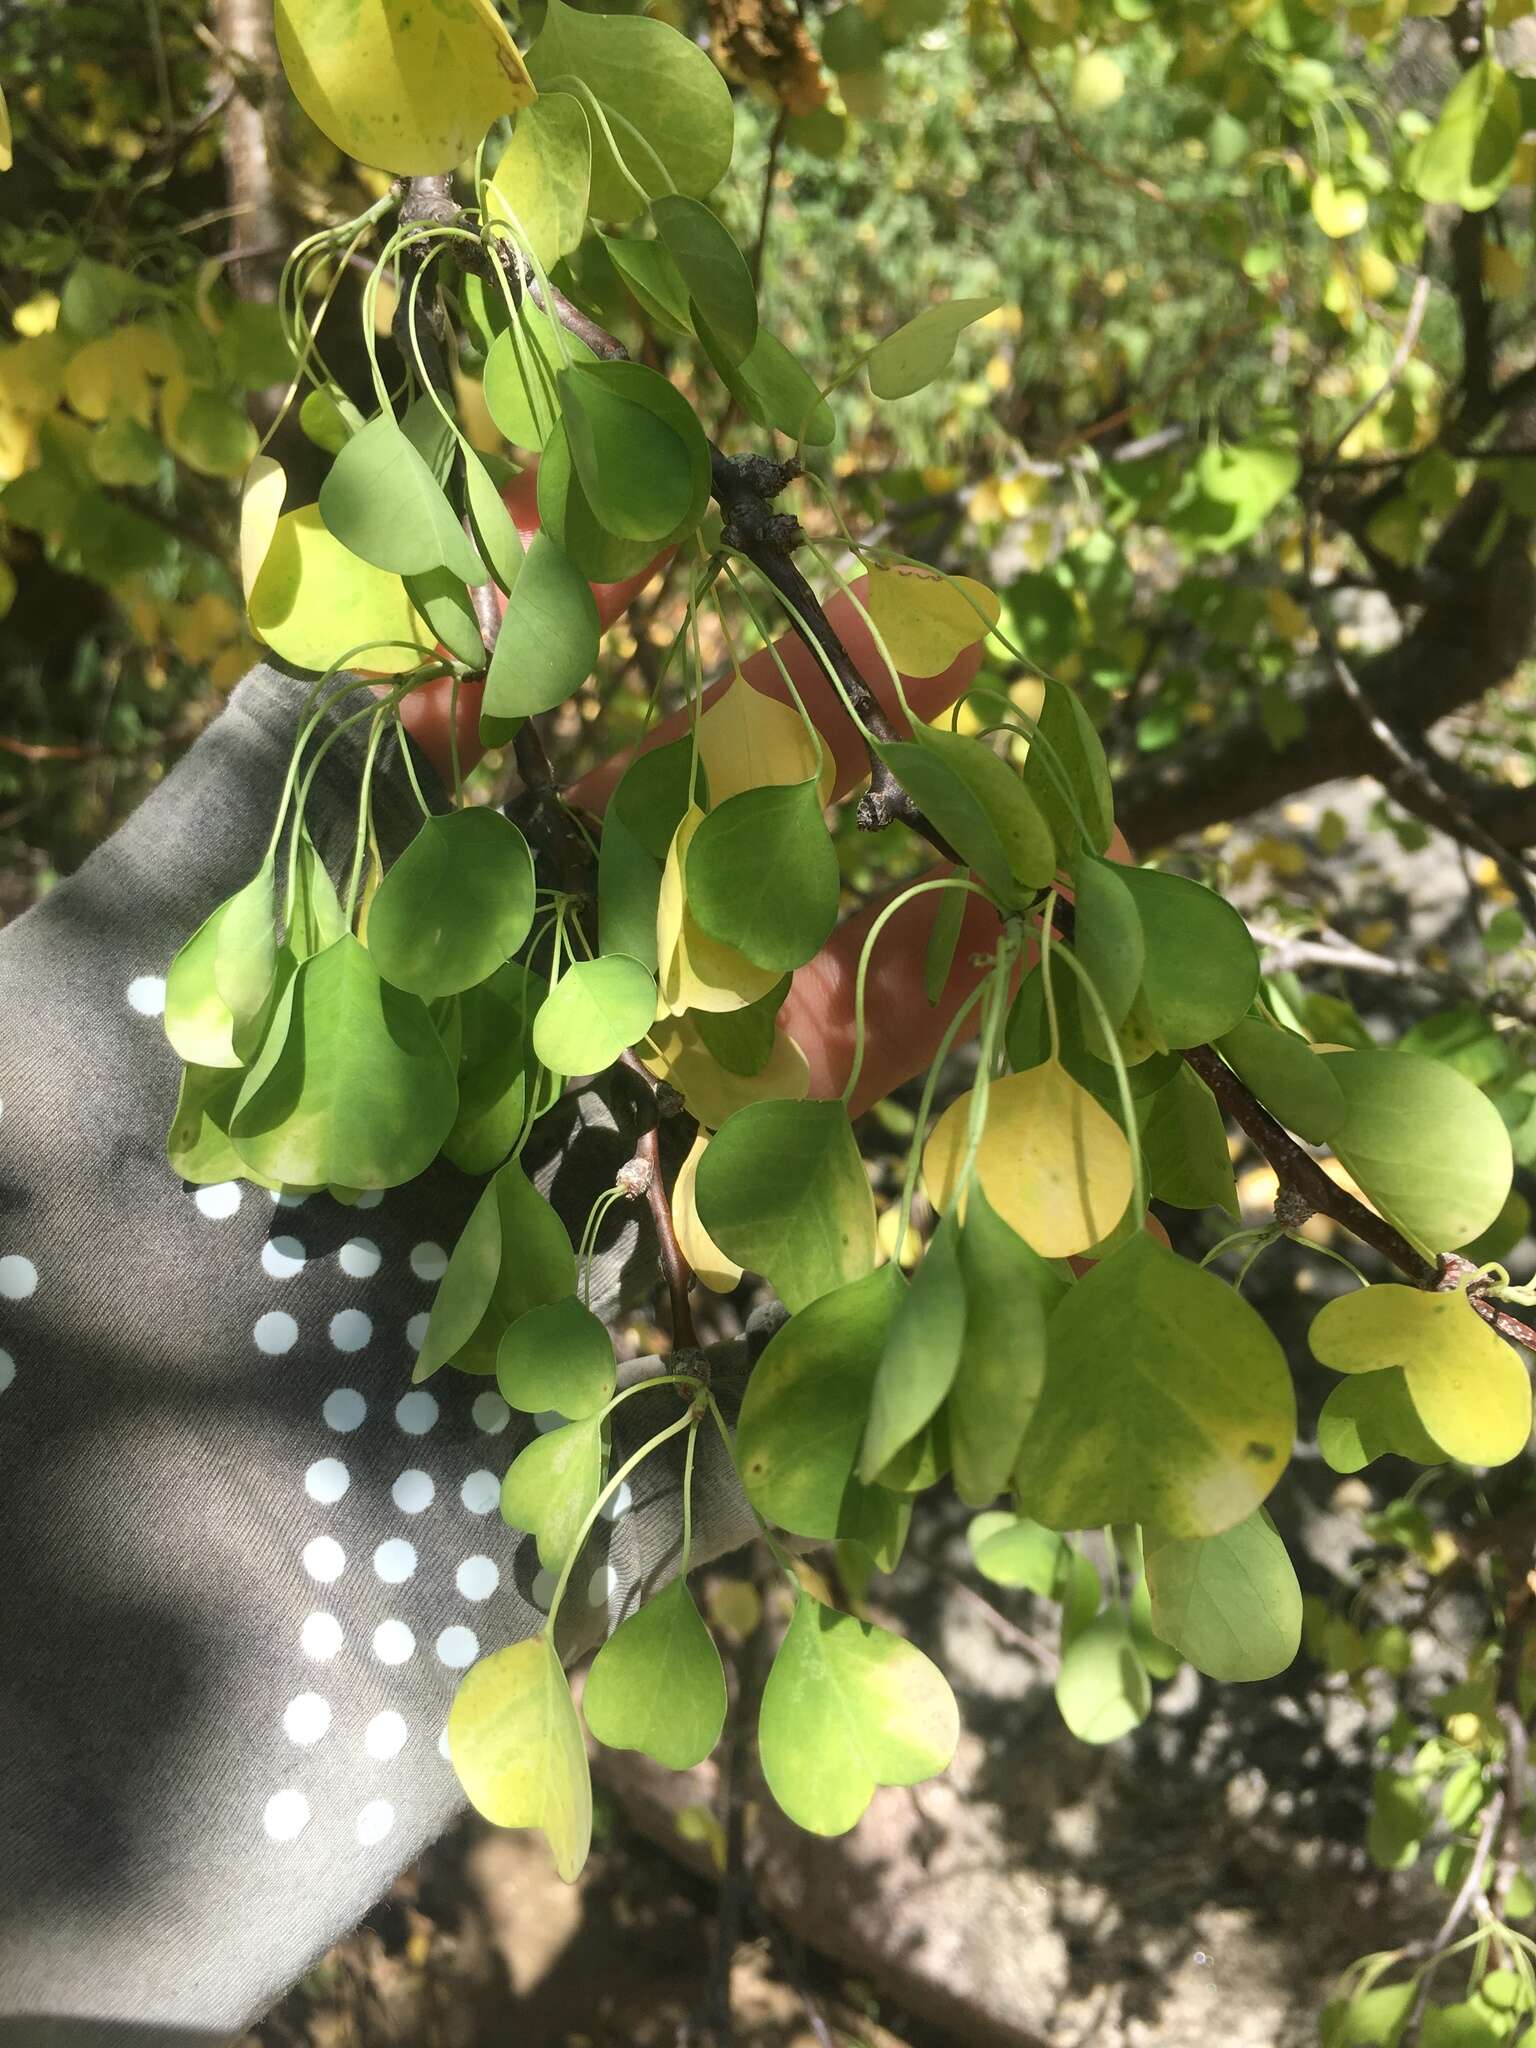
[[772, 388], [443, 601], [1229, 1603], [1202, 967], [543, 180], [1371, 1415], [1371, 2019], [649, 273], [1399, 1822], [921, 350], [495, 530], [939, 956], [1468, 157], [782, 1190], [549, 638], [657, 1684], [742, 1040], [948, 801], [667, 107], [1108, 939], [351, 1086], [1184, 1141], [921, 1354], [499, 1078], [245, 951], [714, 270], [519, 376], [516, 1745], [1074, 751], [551, 1487], [198, 1021], [646, 808], [580, 523], [1022, 832], [1292, 1081], [1008, 1291], [803, 1413], [512, 1255], [762, 874], [1102, 1688], [636, 472], [1430, 1150], [849, 1707], [455, 905], [383, 502], [594, 1011], [1160, 1658], [198, 1144], [315, 918], [1014, 1551], [559, 1357], [1166, 1400]]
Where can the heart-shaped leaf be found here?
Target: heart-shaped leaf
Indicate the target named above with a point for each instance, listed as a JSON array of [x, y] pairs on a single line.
[[558, 1357], [512, 1255], [516, 1745], [927, 621], [551, 1487], [1229, 1603], [383, 502], [1102, 1688], [849, 1707], [542, 181], [314, 601], [594, 1012], [657, 1684], [1371, 1415], [783, 1191], [455, 906], [921, 350], [1202, 967]]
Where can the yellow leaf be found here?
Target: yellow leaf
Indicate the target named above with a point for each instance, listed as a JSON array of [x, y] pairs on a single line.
[[1053, 1163], [1339, 210], [32, 374], [18, 444], [106, 380], [696, 971], [516, 1745], [749, 741], [5, 135], [926, 621], [1470, 1389], [261, 502], [709, 1263], [712, 1092], [408, 89], [37, 315], [200, 629], [314, 602], [1097, 82]]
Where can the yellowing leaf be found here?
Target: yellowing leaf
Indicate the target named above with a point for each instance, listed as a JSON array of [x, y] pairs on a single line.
[[1053, 1163], [1469, 1388], [5, 135], [1097, 82], [107, 379], [261, 502], [749, 741], [713, 1268], [516, 1745], [32, 374], [926, 621], [711, 1091], [1339, 210], [37, 315], [697, 972], [314, 602], [410, 89]]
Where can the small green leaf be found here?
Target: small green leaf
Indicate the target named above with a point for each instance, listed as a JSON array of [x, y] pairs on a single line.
[[198, 1021], [516, 1745], [495, 530], [762, 875], [549, 638], [544, 176], [1371, 1415], [198, 1144], [1008, 1291], [1022, 832], [1108, 939], [849, 1707], [1102, 1688], [583, 523], [1073, 751], [519, 376], [594, 1011], [1229, 1603], [551, 1487], [714, 270], [921, 1354], [782, 1191], [1399, 1822], [443, 600], [636, 471], [512, 1255], [1184, 1141], [1292, 1081], [773, 389], [383, 502], [1202, 967], [657, 1684], [921, 350], [455, 905], [557, 1357]]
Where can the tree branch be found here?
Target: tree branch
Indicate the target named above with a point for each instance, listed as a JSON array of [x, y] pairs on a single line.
[[649, 1182]]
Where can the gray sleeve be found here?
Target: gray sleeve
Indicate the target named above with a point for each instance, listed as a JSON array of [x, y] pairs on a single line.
[[242, 1563]]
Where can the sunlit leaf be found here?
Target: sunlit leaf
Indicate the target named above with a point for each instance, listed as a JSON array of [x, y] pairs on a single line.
[[557, 1356], [762, 876], [455, 905], [697, 972], [1229, 1603], [921, 350], [594, 1012], [782, 1189], [516, 1746], [382, 501], [927, 621], [512, 1255], [1371, 1415], [261, 503], [1468, 157], [713, 269], [548, 643], [313, 600], [710, 1265], [1102, 1688], [1009, 1290], [657, 1684], [551, 1487], [544, 176]]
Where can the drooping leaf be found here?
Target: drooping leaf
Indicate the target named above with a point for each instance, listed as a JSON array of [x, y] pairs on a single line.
[[1371, 1415], [198, 1144], [1054, 1165], [455, 905], [783, 1191], [1288, 1077], [714, 1093], [655, 281], [1229, 1603], [443, 600], [557, 1356], [352, 1085], [921, 1354], [500, 1081], [512, 1255], [1012, 1550], [549, 637], [697, 972], [637, 472], [773, 388], [667, 107], [409, 90], [261, 505], [594, 1012], [314, 600], [762, 876], [927, 621], [749, 740], [1108, 939], [1202, 967], [516, 1745], [1400, 1110], [1102, 1688], [1025, 838], [198, 1021], [1166, 1400], [1009, 1290], [849, 1707], [551, 1486], [542, 181], [1470, 1390], [1184, 1142], [1068, 748], [657, 1684], [921, 350], [1468, 157], [713, 269], [519, 376], [495, 530], [383, 502], [711, 1267]]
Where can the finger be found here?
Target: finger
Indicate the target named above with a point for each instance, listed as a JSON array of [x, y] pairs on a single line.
[[903, 1030], [928, 696]]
